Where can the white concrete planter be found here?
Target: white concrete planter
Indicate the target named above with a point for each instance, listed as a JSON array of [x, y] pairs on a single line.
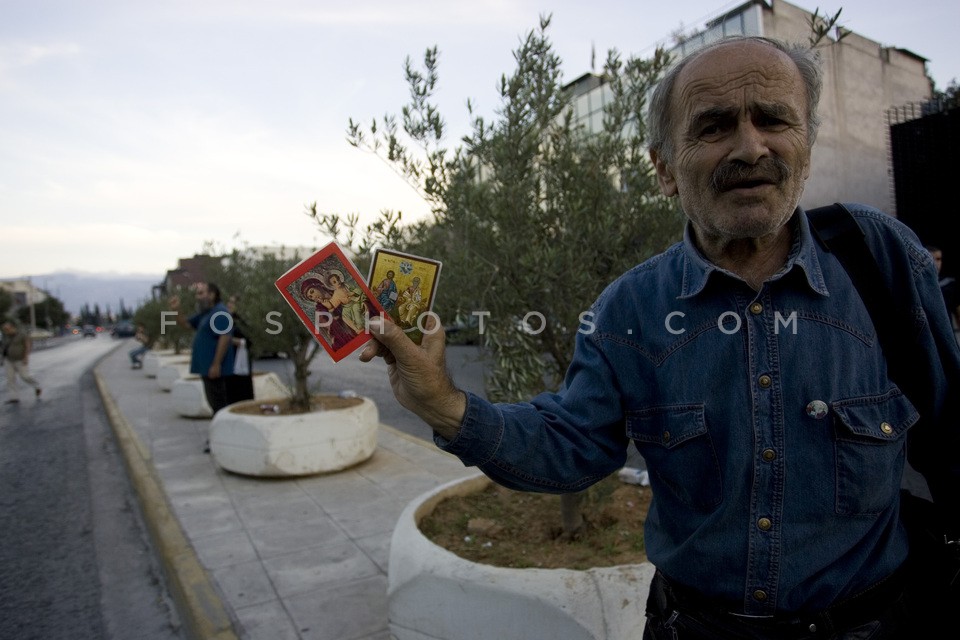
[[267, 385], [152, 360], [436, 595], [275, 445], [171, 370], [189, 400]]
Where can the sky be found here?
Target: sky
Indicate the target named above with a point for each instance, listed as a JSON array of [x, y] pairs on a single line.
[[132, 133]]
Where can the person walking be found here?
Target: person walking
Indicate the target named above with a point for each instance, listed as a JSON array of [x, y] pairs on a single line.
[[745, 367], [16, 359]]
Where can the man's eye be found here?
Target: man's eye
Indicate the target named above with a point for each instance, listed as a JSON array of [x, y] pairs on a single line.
[[711, 130], [771, 121]]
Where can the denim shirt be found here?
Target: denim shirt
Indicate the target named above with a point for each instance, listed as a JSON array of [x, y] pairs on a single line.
[[774, 438]]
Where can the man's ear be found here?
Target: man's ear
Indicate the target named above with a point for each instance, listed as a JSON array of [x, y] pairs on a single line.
[[668, 185]]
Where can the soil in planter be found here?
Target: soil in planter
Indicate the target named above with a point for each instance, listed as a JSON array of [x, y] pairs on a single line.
[[320, 403], [508, 528]]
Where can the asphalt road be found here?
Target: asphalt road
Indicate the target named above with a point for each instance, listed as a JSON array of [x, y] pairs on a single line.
[[75, 559]]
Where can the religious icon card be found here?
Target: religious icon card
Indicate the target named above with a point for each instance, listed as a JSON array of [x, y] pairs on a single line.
[[331, 299], [405, 286]]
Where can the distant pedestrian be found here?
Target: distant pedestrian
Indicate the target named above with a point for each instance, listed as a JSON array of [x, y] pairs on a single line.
[[16, 357], [136, 354], [948, 287]]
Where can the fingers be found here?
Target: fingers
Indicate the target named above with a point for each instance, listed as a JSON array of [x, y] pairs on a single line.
[[434, 337], [389, 340], [389, 335], [372, 350]]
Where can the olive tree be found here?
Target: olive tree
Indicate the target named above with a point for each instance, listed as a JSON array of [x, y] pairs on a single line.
[[159, 322], [532, 214], [272, 325]]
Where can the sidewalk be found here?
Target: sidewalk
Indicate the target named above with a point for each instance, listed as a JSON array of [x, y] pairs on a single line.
[[266, 559]]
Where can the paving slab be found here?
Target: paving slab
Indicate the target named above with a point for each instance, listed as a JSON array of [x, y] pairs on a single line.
[[300, 558]]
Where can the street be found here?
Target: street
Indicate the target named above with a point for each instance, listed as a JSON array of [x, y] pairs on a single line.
[[75, 559]]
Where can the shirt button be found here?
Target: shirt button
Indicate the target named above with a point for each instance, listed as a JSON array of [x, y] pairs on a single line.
[[765, 381], [764, 524], [886, 428], [760, 595], [768, 455], [756, 308], [817, 409], [666, 436]]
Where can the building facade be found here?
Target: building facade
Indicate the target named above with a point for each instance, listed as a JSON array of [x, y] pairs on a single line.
[[23, 292], [862, 80]]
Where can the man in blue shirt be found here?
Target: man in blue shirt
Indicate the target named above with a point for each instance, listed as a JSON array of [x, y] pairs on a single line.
[[212, 353], [746, 369]]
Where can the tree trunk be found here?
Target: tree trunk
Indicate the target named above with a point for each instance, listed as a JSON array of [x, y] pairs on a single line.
[[301, 371], [570, 514]]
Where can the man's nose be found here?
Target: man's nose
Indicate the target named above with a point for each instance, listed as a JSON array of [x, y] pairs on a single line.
[[749, 143]]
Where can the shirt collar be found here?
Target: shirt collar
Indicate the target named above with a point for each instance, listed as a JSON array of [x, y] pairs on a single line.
[[803, 255]]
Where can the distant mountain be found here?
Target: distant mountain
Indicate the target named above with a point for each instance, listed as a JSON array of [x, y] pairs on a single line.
[[76, 289]]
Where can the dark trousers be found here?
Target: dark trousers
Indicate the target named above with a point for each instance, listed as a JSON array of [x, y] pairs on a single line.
[[675, 613], [215, 390]]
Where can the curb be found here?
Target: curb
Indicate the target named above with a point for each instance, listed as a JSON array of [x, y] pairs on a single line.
[[198, 602]]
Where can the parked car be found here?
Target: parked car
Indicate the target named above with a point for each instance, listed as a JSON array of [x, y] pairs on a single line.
[[89, 331]]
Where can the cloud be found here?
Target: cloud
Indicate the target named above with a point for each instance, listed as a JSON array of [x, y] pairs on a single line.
[[19, 55]]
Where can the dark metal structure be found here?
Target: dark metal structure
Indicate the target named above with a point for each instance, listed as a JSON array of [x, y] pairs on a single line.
[[925, 159]]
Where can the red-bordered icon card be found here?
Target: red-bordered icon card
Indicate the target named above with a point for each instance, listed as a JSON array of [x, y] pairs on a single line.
[[329, 296], [405, 286]]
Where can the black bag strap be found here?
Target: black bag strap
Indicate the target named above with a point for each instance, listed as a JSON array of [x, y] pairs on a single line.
[[840, 234]]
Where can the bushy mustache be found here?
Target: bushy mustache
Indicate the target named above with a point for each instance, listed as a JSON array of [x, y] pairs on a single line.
[[732, 174]]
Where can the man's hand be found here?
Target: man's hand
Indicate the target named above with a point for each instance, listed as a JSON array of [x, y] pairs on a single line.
[[214, 372], [418, 373]]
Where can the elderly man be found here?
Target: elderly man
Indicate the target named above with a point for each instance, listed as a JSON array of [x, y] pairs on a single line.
[[746, 369]]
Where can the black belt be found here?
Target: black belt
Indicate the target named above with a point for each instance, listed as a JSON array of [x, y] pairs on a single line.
[[870, 604]]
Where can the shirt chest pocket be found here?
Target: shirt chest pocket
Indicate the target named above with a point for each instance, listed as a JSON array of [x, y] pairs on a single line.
[[869, 438], [676, 445]]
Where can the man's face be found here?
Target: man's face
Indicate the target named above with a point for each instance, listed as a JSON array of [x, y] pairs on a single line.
[[9, 329], [204, 297], [741, 150], [937, 256]]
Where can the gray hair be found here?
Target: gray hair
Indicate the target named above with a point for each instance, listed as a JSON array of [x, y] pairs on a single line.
[[660, 120]]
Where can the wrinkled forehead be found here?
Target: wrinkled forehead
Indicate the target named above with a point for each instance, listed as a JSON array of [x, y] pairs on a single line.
[[739, 75]]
